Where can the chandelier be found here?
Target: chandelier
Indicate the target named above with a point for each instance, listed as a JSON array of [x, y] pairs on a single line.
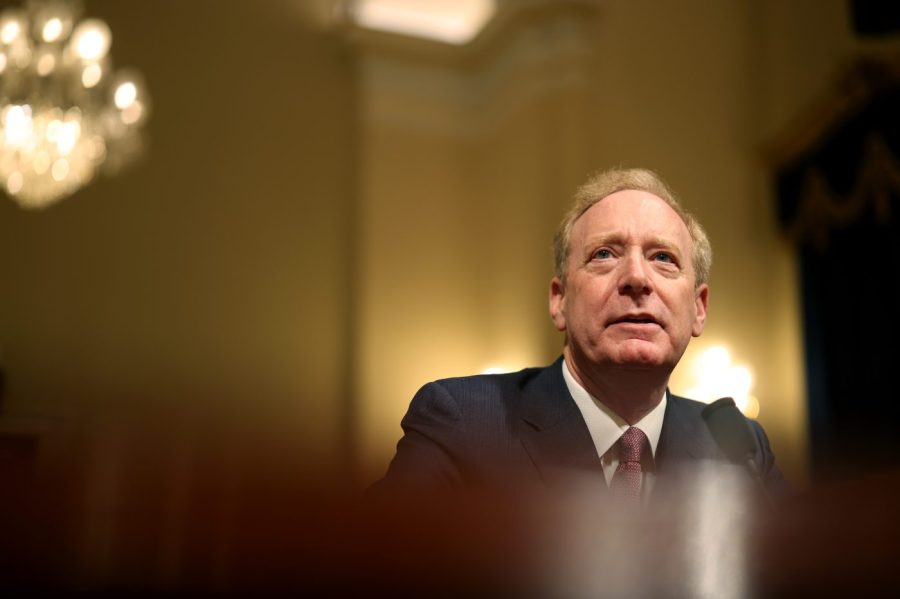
[[65, 114]]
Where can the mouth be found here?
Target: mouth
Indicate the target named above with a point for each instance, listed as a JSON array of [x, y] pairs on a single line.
[[637, 319]]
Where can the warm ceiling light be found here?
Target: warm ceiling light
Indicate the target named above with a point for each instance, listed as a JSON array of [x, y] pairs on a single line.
[[450, 21]]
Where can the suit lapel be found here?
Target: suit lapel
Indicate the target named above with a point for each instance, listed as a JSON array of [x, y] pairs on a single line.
[[553, 430], [558, 442]]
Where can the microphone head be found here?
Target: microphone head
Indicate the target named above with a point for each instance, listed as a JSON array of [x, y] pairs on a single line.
[[729, 429]]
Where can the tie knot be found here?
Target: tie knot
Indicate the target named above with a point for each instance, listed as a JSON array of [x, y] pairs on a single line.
[[631, 445]]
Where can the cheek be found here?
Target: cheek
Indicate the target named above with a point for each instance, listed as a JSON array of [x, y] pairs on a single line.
[[593, 293], [689, 313], [587, 307]]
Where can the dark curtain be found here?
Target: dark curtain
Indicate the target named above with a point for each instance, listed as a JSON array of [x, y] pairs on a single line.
[[839, 202]]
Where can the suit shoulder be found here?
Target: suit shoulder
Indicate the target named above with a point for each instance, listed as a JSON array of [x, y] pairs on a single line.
[[690, 405], [485, 400], [486, 386]]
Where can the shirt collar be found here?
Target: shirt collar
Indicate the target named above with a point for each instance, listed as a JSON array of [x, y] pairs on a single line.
[[604, 425]]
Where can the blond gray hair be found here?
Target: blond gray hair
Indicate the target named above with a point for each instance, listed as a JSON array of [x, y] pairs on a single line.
[[606, 183]]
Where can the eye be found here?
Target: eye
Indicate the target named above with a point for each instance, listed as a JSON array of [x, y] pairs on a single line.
[[601, 254], [664, 257]]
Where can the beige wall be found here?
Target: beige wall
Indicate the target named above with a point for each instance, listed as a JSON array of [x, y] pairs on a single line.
[[188, 321]]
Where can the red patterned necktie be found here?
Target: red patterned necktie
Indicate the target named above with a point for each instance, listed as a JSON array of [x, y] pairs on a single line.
[[626, 482]]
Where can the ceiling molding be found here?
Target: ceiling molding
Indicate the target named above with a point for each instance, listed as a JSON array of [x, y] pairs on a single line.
[[469, 99], [509, 17]]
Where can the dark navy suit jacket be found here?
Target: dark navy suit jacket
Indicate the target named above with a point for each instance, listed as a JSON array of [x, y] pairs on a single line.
[[524, 428]]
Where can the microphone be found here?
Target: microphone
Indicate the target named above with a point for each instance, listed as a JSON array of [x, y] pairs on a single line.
[[732, 434]]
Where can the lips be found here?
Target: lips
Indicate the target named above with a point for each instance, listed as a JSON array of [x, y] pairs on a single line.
[[637, 319]]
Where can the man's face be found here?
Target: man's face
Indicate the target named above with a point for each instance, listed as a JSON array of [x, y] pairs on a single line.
[[630, 298]]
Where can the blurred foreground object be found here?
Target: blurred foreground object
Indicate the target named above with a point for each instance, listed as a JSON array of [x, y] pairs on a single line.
[[305, 536], [64, 112]]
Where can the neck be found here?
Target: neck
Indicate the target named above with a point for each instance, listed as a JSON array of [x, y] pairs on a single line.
[[630, 393]]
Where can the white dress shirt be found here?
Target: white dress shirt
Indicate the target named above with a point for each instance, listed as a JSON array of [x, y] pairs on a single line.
[[606, 427]]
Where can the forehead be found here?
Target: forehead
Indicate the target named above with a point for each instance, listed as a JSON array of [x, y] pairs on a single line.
[[634, 214]]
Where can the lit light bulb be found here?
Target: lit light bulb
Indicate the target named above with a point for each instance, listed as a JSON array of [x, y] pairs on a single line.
[[11, 26], [129, 97], [14, 182], [46, 63], [60, 169], [52, 29], [91, 39], [69, 134], [91, 75], [17, 125], [133, 113], [125, 95]]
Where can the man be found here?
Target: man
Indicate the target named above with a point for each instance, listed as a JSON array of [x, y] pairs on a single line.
[[630, 290]]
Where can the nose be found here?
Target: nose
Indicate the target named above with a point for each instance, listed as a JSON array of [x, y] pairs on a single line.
[[634, 279]]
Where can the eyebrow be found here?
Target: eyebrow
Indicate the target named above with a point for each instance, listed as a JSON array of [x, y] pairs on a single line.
[[618, 238], [665, 244]]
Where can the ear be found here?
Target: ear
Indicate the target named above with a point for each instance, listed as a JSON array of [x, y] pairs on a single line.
[[701, 302], [557, 303]]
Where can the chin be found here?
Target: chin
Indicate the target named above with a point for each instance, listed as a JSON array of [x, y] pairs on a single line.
[[640, 360], [639, 364], [629, 355]]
